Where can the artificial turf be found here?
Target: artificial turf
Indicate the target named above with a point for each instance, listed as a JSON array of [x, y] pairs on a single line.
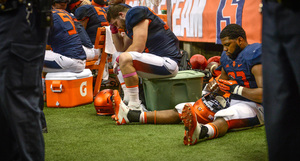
[[78, 134]]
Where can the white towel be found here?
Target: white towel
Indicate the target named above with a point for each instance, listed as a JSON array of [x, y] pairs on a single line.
[[109, 45]]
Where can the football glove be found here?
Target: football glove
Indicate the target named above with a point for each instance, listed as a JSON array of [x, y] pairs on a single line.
[[230, 86], [211, 87]]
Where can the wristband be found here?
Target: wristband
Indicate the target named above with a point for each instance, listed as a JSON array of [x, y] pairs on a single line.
[[211, 68], [238, 90]]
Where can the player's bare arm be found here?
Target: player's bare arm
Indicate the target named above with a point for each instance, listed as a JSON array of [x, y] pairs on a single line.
[[121, 42], [255, 94], [140, 34]]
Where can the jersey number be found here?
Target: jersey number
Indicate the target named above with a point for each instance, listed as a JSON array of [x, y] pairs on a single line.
[[240, 74], [66, 18], [101, 12]]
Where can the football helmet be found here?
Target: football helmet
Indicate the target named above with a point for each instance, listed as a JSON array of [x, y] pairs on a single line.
[[214, 59], [198, 61], [208, 105], [103, 103]]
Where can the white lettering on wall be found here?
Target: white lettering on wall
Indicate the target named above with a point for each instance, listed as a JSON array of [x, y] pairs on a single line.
[[185, 17], [196, 19], [191, 18], [175, 16]]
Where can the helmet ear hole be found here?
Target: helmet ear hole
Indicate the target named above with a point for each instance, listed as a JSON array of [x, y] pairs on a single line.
[[103, 103], [107, 100]]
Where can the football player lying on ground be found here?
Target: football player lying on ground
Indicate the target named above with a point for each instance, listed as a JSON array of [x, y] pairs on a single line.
[[244, 110]]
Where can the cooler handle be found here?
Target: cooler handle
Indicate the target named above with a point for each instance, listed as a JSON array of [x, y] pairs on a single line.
[[56, 90], [56, 83]]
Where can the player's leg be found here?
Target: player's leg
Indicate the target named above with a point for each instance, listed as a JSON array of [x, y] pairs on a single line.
[[134, 64], [195, 131], [55, 62], [240, 115], [124, 115], [115, 61], [156, 117], [131, 80], [91, 53]]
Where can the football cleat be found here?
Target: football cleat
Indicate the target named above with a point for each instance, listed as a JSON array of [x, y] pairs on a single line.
[[191, 125], [113, 117], [121, 110]]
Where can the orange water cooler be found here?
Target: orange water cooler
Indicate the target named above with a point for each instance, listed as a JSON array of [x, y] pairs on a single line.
[[68, 89]]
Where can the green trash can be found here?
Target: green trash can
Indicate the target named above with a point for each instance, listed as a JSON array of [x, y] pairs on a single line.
[[166, 93]]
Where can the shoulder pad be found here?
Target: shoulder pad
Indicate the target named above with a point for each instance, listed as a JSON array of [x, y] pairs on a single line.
[[135, 15], [253, 54], [80, 12]]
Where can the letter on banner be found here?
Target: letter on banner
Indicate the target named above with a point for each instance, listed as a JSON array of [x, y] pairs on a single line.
[[196, 19], [175, 16], [190, 17], [185, 17]]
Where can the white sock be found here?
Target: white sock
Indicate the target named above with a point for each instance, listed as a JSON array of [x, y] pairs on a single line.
[[134, 99], [211, 131], [126, 94]]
